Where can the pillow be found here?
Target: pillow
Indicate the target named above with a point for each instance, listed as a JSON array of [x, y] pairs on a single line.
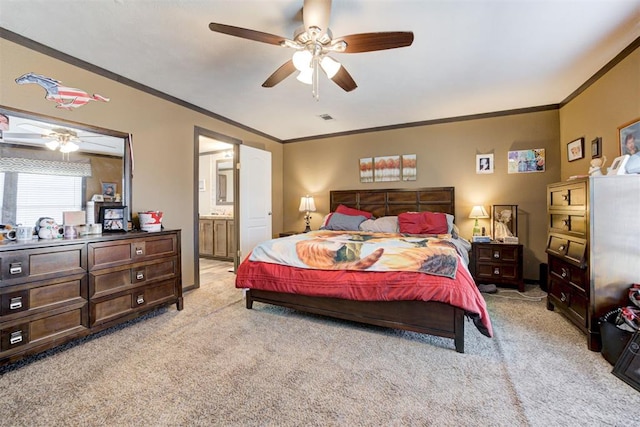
[[385, 224], [345, 210], [340, 221], [423, 223], [325, 220]]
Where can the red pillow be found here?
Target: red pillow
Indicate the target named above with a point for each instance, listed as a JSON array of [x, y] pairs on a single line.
[[345, 210], [423, 223]]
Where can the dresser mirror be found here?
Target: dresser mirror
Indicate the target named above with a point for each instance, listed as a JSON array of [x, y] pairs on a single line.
[[224, 182], [49, 166]]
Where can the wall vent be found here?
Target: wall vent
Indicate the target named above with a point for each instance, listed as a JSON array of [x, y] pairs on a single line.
[[325, 117]]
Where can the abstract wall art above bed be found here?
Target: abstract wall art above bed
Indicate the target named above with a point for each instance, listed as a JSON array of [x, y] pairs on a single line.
[[388, 168]]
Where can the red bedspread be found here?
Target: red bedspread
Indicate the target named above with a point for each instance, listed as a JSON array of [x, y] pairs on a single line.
[[461, 292]]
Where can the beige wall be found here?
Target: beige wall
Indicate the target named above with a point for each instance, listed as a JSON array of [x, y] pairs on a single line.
[[610, 102], [163, 135], [446, 155]]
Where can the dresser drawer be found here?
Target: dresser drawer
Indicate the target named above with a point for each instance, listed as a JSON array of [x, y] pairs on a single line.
[[569, 273], [567, 196], [574, 223], [570, 300], [569, 248], [106, 281], [39, 296], [25, 265], [497, 272], [122, 303], [126, 251], [34, 332], [497, 253]]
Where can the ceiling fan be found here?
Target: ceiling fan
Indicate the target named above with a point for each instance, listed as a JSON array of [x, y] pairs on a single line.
[[62, 139], [313, 43]]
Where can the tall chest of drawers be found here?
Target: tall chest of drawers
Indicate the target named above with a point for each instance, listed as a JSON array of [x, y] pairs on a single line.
[[592, 248], [54, 291]]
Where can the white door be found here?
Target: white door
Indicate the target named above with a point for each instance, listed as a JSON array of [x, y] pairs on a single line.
[[255, 199]]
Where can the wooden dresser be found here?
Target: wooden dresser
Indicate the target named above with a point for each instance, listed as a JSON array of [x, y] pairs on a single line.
[[53, 291], [592, 252]]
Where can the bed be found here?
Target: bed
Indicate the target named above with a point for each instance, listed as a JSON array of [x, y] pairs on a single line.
[[451, 295]]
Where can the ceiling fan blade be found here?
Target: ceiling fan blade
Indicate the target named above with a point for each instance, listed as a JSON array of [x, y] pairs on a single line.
[[316, 13], [344, 80], [368, 42], [18, 135], [280, 74], [245, 33]]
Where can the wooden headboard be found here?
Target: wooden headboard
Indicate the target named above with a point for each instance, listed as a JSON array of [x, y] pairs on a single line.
[[395, 201]]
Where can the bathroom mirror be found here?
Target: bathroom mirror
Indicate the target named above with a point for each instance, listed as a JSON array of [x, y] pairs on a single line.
[[224, 182], [49, 165]]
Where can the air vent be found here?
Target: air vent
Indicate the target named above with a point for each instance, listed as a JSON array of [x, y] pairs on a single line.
[[325, 117]]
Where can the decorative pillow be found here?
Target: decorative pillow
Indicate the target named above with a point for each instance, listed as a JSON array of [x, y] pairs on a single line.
[[345, 210], [340, 221], [325, 220], [423, 223], [385, 224]]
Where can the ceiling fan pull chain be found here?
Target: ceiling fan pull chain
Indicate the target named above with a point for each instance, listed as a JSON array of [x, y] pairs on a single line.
[[315, 79]]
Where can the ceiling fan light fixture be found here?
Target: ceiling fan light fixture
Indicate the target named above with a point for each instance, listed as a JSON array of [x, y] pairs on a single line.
[[330, 66], [68, 147], [306, 76], [302, 60], [52, 145]]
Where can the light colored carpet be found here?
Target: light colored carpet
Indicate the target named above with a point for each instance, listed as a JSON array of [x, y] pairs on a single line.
[[217, 363]]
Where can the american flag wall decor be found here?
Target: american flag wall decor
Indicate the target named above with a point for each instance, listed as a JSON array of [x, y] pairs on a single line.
[[67, 98]]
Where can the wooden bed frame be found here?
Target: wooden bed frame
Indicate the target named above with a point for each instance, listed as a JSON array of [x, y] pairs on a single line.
[[428, 317]]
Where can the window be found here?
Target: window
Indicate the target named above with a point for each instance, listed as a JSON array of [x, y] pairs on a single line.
[[45, 195]]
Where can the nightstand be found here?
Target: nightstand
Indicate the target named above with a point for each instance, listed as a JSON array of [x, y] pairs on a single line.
[[288, 233], [497, 263]]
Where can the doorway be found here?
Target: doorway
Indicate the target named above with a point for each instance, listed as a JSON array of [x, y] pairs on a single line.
[[215, 199]]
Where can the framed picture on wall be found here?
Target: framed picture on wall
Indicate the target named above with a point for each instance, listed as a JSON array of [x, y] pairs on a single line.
[[575, 149], [409, 167], [484, 163], [386, 168], [629, 135], [366, 169], [596, 148]]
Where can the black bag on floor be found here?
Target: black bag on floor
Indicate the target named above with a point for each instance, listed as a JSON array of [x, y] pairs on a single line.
[[614, 339]]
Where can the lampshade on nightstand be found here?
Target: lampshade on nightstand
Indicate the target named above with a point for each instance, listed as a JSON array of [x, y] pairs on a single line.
[[478, 212], [307, 205]]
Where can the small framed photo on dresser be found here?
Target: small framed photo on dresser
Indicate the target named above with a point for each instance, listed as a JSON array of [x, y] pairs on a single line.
[[113, 219]]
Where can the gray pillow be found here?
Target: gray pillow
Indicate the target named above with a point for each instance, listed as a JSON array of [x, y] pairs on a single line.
[[343, 222]]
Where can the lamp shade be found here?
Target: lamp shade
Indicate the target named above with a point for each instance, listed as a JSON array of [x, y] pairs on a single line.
[[307, 204], [478, 212]]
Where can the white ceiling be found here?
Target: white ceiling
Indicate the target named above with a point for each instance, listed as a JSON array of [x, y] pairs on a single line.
[[468, 57]]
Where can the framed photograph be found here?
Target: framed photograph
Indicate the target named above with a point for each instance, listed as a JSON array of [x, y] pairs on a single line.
[[386, 168], [409, 167], [629, 134], [627, 368], [526, 161], [596, 148], [366, 169], [575, 149], [113, 219], [618, 167], [484, 163], [505, 222], [109, 190]]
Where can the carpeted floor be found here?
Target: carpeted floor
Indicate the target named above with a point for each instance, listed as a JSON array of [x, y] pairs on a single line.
[[217, 363]]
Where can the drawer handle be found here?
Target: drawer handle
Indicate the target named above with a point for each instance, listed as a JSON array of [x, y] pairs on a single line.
[[565, 197], [563, 297], [139, 251], [561, 248], [15, 303], [496, 270], [140, 275], [15, 338], [140, 299], [566, 222], [564, 273], [15, 268], [496, 254]]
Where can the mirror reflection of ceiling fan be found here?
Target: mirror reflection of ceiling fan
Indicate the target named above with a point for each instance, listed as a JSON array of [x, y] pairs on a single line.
[[314, 42], [63, 139]]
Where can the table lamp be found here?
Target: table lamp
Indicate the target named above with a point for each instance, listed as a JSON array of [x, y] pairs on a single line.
[[478, 212], [307, 205]]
